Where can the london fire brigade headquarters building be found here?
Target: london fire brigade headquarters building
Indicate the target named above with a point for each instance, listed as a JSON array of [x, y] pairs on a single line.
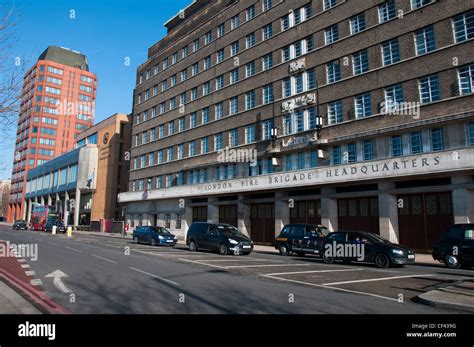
[[391, 83]]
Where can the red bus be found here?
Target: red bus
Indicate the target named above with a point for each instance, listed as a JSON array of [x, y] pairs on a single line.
[[40, 215]]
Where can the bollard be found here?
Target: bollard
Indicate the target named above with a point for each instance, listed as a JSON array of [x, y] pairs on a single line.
[[54, 230], [69, 231]]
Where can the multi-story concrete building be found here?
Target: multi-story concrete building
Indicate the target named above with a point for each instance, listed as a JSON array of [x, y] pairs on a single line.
[[57, 103], [83, 183], [360, 114]]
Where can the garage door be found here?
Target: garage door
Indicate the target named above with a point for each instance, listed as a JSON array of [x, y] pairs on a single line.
[[262, 223], [306, 212], [228, 215], [200, 214], [422, 219], [359, 214]]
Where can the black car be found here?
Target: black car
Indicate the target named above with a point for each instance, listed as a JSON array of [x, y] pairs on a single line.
[[456, 246], [223, 238], [360, 246], [20, 225], [60, 228], [154, 236], [300, 239]]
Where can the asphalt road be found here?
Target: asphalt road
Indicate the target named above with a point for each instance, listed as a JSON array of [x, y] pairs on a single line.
[[108, 275]]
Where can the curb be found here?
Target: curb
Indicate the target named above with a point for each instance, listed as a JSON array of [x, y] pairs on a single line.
[[424, 299]]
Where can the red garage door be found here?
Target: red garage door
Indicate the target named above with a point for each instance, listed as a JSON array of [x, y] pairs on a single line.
[[359, 214], [306, 212], [262, 222], [228, 215]]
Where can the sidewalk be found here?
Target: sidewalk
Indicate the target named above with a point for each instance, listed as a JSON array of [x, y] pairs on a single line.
[[423, 259], [459, 296]]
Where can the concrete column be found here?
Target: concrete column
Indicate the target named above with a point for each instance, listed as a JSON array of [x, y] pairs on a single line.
[[212, 210], [388, 213], [329, 215], [50, 200], [243, 216], [282, 211], [42, 200], [24, 210], [186, 219], [462, 200], [28, 217], [77, 207], [66, 213]]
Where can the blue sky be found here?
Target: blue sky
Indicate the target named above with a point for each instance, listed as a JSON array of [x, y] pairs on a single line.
[[107, 31]]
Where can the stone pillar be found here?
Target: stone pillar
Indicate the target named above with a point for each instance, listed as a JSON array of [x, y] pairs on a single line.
[[50, 200], [77, 207], [186, 219], [462, 200], [329, 215], [42, 200], [388, 213], [66, 213], [24, 211], [243, 216], [28, 217], [212, 210], [282, 211]]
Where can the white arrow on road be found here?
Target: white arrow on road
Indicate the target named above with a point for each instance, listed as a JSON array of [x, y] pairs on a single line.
[[57, 275]]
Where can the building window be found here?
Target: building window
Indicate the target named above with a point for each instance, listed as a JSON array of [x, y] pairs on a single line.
[[185, 52], [416, 142], [267, 62], [297, 49], [233, 137], [160, 157], [425, 40], [250, 40], [470, 134], [168, 220], [184, 75], [196, 45], [419, 3], [204, 145], [387, 11], [429, 89], [333, 71], [178, 216], [206, 88], [161, 131], [208, 38], [336, 155], [159, 182], [171, 128], [181, 124], [368, 150], [267, 4], [465, 77], [267, 127], [268, 94], [363, 107], [192, 148], [234, 105], [396, 146], [437, 139], [357, 23], [250, 69], [205, 115], [351, 152], [390, 52], [220, 82], [393, 98], [267, 32], [221, 30], [250, 13], [219, 110], [234, 76], [463, 26], [195, 69], [220, 56], [170, 154], [327, 4], [207, 62], [151, 159], [194, 93], [234, 22], [234, 48], [360, 62], [193, 120], [331, 34], [299, 121], [335, 112], [180, 151], [218, 142], [249, 134], [250, 100]]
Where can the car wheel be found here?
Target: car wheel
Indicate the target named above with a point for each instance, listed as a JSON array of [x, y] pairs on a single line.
[[223, 250], [135, 240], [381, 260], [283, 250], [327, 259], [192, 246], [153, 242], [452, 261]]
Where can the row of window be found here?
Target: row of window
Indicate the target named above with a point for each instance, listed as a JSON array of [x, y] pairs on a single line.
[[52, 180]]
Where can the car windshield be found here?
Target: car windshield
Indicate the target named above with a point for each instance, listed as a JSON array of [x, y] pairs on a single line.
[[228, 230], [377, 238], [160, 230]]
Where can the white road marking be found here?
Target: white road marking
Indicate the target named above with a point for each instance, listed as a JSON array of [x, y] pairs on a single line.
[[74, 249], [56, 276], [52, 243], [312, 271], [21, 260], [200, 263], [36, 282], [262, 265], [154, 276], [25, 266], [226, 260], [374, 279], [98, 256], [328, 287], [30, 273]]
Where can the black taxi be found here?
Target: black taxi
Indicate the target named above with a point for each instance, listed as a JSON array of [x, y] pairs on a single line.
[[301, 239]]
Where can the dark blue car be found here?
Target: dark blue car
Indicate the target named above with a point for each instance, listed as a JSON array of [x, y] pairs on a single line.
[[154, 236]]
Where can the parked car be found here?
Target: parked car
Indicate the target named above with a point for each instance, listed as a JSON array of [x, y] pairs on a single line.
[[339, 245], [20, 225], [456, 247], [154, 236], [223, 238], [300, 239], [50, 222]]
